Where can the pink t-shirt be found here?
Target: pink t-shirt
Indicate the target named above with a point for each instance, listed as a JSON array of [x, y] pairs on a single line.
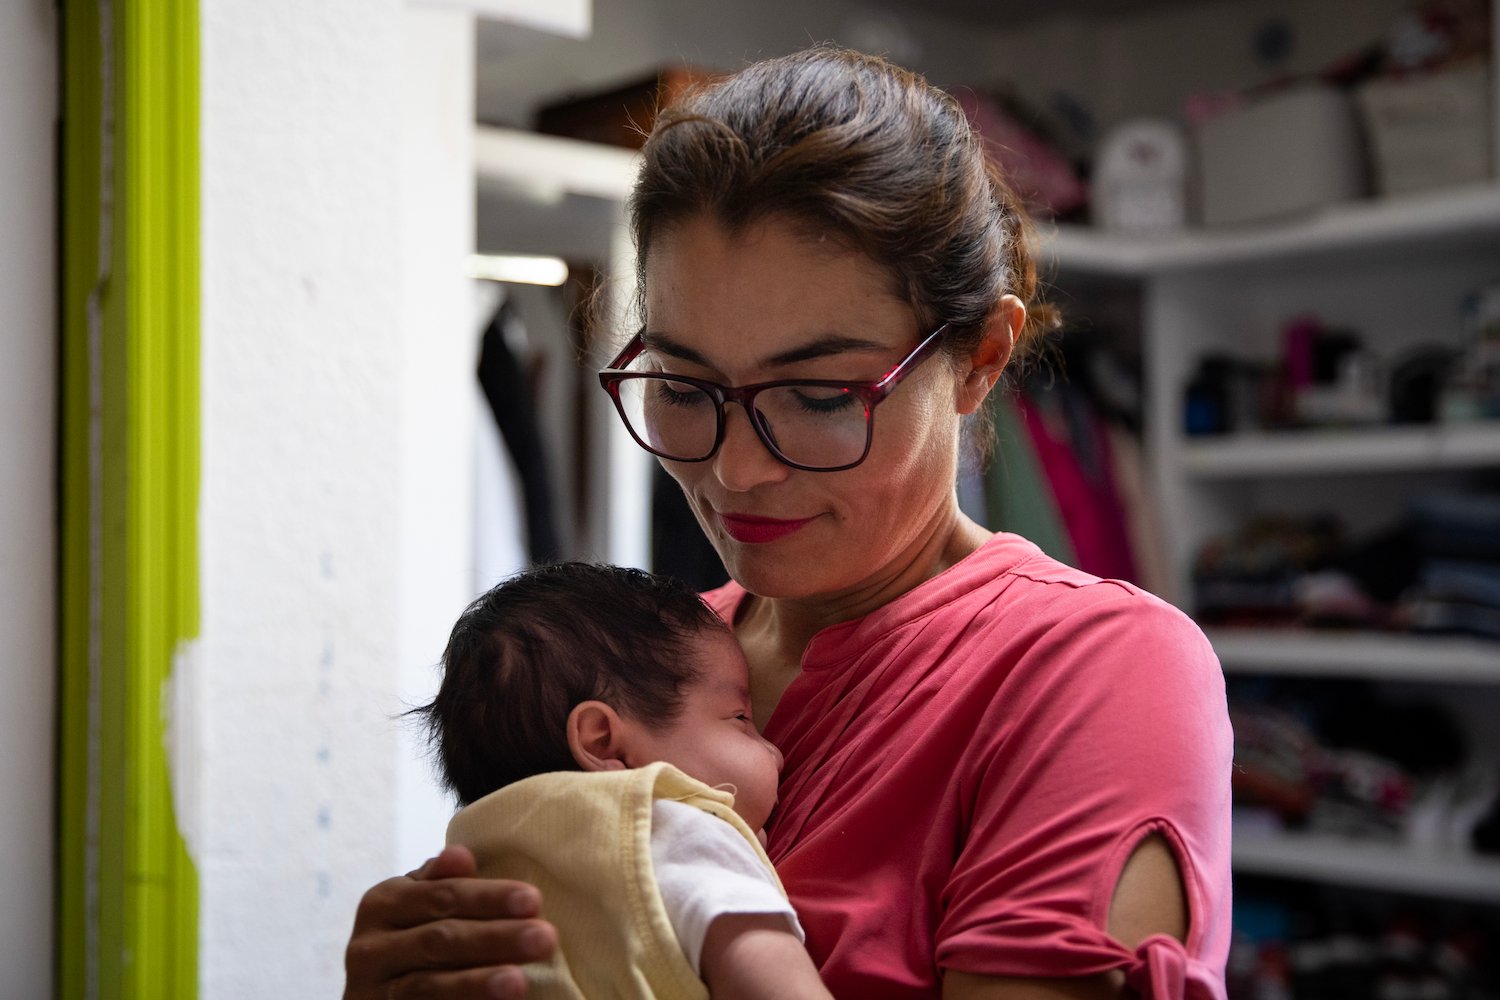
[[969, 767]]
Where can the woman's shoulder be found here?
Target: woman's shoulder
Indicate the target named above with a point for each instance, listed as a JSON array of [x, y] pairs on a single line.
[[1010, 574], [1038, 608]]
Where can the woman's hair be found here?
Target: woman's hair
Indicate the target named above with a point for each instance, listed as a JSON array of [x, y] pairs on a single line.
[[852, 146], [525, 653]]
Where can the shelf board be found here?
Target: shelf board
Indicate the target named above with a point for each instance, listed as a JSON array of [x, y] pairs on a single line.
[[1394, 225], [546, 167], [1323, 452], [1451, 874], [1370, 655]]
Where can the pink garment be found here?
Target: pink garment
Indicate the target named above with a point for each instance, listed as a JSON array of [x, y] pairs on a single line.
[[969, 767], [1036, 169], [1087, 499]]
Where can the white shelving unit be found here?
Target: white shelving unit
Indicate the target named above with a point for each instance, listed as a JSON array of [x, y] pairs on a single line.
[[1395, 271], [1363, 864], [1374, 450], [1367, 655], [1438, 221]]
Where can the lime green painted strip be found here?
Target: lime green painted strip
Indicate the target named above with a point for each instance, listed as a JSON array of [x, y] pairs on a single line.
[[161, 77], [129, 908]]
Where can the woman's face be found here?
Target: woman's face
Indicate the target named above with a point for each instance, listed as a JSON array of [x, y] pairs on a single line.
[[769, 303]]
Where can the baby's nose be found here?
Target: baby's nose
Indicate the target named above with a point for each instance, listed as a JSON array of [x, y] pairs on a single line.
[[780, 760]]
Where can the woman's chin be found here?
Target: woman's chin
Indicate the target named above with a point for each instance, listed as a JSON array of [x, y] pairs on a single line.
[[765, 576]]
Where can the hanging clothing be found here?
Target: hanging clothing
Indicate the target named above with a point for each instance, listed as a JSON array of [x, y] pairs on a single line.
[[1073, 451], [1017, 494], [678, 546], [1153, 563], [514, 408]]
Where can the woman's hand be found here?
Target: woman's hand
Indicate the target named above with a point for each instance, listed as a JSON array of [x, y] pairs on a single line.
[[440, 932]]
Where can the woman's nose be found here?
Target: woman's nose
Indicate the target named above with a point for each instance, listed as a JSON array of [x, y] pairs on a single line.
[[743, 461]]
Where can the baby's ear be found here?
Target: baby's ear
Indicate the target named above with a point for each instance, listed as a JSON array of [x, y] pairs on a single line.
[[596, 736]]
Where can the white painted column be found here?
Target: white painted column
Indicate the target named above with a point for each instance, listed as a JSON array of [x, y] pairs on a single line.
[[28, 442], [337, 209], [440, 345]]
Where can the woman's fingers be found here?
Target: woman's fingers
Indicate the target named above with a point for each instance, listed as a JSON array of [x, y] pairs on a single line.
[[406, 902], [503, 983], [453, 861], [439, 932], [456, 955]]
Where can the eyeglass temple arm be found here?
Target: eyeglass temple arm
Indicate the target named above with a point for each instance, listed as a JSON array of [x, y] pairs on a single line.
[[628, 353], [892, 378]]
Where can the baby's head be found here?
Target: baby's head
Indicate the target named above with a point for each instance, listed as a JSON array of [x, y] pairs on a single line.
[[577, 666]]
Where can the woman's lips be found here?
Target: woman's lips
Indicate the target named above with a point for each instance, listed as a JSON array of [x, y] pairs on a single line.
[[752, 529]]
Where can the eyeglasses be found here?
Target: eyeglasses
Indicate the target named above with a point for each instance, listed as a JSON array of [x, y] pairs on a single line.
[[818, 425]]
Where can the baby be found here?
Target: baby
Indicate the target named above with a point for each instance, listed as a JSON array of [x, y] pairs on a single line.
[[594, 723]]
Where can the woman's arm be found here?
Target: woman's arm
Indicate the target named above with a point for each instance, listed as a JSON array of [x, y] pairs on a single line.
[[754, 956], [964, 986], [439, 932], [1148, 900]]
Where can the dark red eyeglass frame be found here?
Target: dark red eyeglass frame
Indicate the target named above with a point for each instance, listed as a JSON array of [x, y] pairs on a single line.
[[870, 393]]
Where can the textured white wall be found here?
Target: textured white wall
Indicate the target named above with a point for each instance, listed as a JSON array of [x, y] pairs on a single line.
[[337, 201], [28, 379]]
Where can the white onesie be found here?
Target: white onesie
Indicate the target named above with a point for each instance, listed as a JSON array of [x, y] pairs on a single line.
[[704, 869]]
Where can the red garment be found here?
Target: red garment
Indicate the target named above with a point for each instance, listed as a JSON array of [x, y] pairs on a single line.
[[968, 768], [1084, 491]]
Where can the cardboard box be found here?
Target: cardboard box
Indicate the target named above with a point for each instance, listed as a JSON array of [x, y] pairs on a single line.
[[1429, 131], [1282, 154]]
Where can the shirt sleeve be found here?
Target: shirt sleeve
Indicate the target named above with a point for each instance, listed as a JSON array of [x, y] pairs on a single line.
[[1112, 728], [704, 870]]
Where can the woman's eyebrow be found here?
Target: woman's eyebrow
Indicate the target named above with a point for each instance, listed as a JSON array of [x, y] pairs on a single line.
[[820, 347], [663, 344]]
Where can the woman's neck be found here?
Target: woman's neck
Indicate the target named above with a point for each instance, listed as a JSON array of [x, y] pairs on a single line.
[[776, 631]]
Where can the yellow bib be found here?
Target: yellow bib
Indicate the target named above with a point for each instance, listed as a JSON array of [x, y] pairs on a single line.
[[584, 840]]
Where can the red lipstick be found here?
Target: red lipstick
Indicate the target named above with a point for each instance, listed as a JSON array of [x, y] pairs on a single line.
[[755, 530]]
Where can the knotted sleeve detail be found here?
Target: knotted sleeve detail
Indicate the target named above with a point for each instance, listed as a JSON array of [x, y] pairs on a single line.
[[1161, 969]]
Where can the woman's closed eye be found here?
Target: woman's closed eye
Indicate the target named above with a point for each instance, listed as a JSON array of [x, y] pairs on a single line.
[[816, 400], [678, 393]]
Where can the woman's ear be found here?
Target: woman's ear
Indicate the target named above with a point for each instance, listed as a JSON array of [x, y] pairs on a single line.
[[990, 356], [596, 735]]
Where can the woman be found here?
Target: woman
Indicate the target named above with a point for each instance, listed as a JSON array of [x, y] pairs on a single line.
[[1004, 778]]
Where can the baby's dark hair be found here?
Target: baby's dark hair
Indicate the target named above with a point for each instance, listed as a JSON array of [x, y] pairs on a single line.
[[537, 644]]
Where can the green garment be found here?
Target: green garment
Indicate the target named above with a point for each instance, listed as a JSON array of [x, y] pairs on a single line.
[[1016, 492]]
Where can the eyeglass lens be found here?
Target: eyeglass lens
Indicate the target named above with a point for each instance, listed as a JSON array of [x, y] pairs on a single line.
[[815, 426]]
